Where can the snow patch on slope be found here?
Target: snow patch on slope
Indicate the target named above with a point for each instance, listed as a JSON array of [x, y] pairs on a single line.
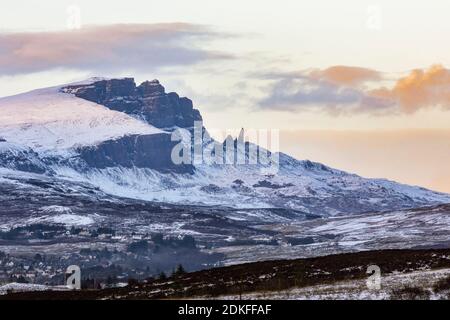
[[63, 215], [50, 121], [12, 148]]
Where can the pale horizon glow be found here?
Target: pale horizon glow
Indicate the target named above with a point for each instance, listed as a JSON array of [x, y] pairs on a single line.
[[412, 156]]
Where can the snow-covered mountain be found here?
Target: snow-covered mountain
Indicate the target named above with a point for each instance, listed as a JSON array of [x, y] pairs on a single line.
[[116, 136], [52, 122]]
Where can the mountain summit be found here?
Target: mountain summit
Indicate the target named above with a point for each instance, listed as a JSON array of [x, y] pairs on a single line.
[[148, 101]]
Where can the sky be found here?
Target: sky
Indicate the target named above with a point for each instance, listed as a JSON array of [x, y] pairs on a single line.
[[359, 85]]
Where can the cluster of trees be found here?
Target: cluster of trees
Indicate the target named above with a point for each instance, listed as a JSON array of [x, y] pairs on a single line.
[[94, 233], [186, 241], [179, 270], [159, 241], [92, 282], [99, 253], [39, 230]]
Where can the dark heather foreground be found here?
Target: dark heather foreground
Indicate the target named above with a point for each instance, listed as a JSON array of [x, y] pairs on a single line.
[[270, 278]]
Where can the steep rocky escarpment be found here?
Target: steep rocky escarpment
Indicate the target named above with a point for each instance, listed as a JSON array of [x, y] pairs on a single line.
[[141, 151], [148, 101]]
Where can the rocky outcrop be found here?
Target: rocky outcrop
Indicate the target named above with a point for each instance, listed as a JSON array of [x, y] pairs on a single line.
[[20, 158], [148, 101], [141, 151]]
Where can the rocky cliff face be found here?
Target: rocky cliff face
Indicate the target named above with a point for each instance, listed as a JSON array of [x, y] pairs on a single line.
[[140, 151], [148, 101]]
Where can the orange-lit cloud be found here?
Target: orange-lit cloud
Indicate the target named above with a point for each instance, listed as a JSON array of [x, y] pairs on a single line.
[[417, 90], [106, 48], [336, 90], [346, 75], [341, 89], [420, 89]]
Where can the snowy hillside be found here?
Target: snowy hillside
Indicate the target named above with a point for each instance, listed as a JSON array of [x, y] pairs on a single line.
[[317, 190], [114, 135], [50, 121]]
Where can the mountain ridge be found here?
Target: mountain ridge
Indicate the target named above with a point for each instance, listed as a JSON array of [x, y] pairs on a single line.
[[124, 145]]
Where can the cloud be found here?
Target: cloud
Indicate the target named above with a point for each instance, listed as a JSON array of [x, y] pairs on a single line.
[[420, 89], [289, 92], [342, 89], [345, 75], [328, 90], [121, 47]]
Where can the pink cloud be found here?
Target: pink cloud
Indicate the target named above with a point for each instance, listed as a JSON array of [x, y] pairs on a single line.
[[97, 48]]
